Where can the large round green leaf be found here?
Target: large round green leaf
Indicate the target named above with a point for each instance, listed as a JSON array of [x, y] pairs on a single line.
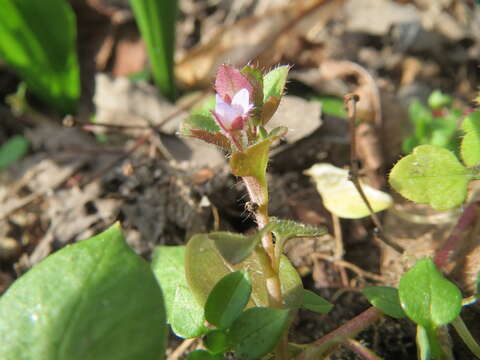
[[93, 300]]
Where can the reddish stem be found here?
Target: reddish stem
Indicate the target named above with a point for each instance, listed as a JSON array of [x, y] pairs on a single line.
[[344, 332], [453, 242]]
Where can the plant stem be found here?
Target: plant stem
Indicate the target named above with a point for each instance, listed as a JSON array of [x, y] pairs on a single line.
[[338, 336], [350, 103], [258, 193], [466, 336], [454, 241], [361, 350]]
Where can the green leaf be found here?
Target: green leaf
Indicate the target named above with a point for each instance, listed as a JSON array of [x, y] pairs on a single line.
[[386, 299], [255, 78], [203, 355], [274, 82], [273, 86], [237, 247], [291, 283], [251, 164], [95, 299], [439, 100], [205, 266], [427, 297], [216, 341], [421, 117], [470, 146], [332, 105], [201, 121], [285, 230], [256, 332], [38, 40], [156, 20], [431, 175], [184, 314], [227, 299], [314, 302], [11, 151], [187, 316]]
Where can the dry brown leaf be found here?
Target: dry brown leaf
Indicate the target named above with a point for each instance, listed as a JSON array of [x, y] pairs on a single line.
[[248, 38]]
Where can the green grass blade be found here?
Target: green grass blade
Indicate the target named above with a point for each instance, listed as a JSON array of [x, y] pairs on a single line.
[[156, 20], [37, 39]]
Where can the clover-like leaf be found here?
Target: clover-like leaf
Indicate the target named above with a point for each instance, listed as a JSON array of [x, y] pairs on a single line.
[[427, 297], [470, 146], [227, 299], [431, 175], [184, 314], [95, 299], [256, 332], [386, 299]]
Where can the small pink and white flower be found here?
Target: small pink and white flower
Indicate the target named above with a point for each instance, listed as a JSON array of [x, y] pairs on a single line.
[[232, 116]]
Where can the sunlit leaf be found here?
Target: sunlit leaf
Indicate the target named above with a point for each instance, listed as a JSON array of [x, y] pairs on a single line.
[[95, 299], [205, 267], [184, 314], [431, 175], [340, 195], [38, 40], [156, 20], [427, 297], [470, 146]]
